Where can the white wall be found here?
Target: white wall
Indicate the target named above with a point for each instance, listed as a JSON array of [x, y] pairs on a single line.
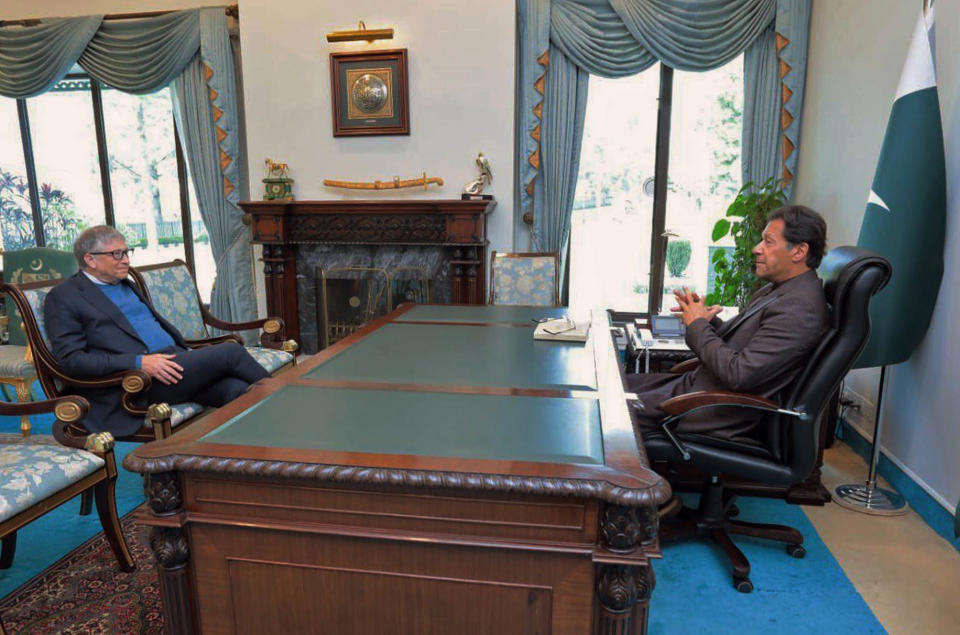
[[857, 49], [461, 58]]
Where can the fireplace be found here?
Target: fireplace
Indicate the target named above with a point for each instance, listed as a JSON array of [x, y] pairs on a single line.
[[446, 239]]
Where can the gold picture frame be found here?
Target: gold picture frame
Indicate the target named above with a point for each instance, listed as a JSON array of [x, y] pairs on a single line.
[[369, 93]]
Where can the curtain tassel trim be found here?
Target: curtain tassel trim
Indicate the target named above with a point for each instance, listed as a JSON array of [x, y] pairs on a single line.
[[225, 159], [534, 159], [786, 118]]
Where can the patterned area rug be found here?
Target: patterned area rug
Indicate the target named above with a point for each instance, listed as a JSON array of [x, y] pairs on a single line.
[[84, 593]]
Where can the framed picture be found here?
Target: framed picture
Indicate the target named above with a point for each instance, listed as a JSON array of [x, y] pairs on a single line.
[[369, 92]]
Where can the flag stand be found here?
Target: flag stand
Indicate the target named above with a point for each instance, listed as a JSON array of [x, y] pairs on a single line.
[[868, 498]]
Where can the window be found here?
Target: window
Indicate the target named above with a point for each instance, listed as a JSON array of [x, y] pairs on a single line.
[[17, 227], [84, 154], [630, 250], [143, 173], [65, 159]]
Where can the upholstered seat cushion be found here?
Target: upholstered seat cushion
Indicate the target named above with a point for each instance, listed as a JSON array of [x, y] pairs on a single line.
[[183, 411], [271, 359], [36, 467], [13, 363]]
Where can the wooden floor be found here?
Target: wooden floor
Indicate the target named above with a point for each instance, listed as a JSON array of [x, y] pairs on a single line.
[[908, 575]]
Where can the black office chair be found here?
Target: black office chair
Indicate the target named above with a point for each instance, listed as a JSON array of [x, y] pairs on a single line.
[[790, 430]]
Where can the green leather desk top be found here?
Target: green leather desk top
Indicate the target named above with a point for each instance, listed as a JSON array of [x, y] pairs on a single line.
[[457, 355], [496, 427], [479, 314]]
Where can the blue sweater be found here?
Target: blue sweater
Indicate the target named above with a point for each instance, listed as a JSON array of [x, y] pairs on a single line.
[[140, 317]]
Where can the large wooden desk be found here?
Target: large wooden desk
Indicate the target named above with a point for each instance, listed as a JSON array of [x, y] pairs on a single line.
[[437, 472]]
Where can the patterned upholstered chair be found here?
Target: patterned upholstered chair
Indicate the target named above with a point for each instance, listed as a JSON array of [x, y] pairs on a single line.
[[171, 289], [40, 473], [159, 419], [16, 362], [524, 279]]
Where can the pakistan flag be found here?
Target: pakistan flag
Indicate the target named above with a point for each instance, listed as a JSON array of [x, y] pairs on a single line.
[[906, 211]]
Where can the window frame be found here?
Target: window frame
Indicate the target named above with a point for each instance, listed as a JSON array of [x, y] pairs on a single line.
[[96, 98]]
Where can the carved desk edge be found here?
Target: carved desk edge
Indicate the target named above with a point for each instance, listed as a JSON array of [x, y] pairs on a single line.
[[655, 494]]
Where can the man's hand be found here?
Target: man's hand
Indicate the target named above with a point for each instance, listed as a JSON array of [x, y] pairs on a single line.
[[692, 307], [161, 366]]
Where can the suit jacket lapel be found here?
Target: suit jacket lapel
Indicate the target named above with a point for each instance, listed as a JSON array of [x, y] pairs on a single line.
[[766, 296], [99, 299]]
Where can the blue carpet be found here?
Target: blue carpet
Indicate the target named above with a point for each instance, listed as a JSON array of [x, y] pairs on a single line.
[[47, 539], [694, 592]]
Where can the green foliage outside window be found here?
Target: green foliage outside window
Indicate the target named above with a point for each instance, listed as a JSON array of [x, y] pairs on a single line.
[[61, 223], [678, 257], [746, 217]]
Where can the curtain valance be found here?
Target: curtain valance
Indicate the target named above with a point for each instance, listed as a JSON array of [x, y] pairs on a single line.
[[135, 56], [614, 38], [32, 59], [142, 56]]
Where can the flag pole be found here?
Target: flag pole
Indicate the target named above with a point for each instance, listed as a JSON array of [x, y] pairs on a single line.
[[868, 498]]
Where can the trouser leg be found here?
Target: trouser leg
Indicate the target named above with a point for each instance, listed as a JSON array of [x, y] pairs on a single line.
[[203, 368]]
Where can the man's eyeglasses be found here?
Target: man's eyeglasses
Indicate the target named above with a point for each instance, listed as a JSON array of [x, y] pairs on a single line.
[[117, 254]]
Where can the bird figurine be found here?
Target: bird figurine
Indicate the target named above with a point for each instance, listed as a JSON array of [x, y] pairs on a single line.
[[484, 178]]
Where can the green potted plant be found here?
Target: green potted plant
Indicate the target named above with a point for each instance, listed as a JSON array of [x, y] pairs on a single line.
[[735, 281]]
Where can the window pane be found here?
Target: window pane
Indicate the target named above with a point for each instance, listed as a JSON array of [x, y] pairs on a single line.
[[613, 209], [704, 170], [143, 173], [16, 218], [65, 155]]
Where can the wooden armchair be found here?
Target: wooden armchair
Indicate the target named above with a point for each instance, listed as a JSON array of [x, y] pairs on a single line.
[[16, 361], [172, 290], [159, 419], [41, 472]]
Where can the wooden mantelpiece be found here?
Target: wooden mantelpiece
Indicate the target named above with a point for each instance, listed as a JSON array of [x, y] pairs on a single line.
[[280, 226]]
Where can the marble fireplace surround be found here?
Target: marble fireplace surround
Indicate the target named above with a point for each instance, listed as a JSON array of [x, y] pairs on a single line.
[[447, 238]]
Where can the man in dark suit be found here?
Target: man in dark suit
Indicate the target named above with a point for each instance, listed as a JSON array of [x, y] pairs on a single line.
[[761, 350], [98, 324]]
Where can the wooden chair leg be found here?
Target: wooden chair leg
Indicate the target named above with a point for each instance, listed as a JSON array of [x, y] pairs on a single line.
[[23, 396], [86, 502], [107, 510], [8, 548]]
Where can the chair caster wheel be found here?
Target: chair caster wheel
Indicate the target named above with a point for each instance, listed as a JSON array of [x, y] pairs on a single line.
[[797, 551], [743, 585], [733, 511]]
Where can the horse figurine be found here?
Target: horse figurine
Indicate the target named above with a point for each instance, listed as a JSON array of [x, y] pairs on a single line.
[[276, 170]]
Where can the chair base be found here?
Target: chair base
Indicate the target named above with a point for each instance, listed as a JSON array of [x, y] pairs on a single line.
[[712, 520]]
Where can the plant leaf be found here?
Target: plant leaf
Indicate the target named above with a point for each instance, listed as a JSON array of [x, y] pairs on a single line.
[[720, 229]]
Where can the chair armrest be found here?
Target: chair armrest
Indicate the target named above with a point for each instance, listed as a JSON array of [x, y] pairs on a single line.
[[682, 404], [60, 405], [270, 325], [69, 410], [135, 384], [210, 341], [685, 366]]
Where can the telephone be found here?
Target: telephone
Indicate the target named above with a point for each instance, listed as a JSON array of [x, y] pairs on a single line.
[[646, 337]]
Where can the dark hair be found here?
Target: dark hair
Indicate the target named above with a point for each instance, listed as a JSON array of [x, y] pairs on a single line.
[[803, 225]]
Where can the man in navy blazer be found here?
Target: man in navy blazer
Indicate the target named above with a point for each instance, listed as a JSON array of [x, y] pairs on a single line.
[[98, 324]]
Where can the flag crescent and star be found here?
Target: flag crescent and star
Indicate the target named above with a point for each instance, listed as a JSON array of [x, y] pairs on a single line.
[[905, 216]]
